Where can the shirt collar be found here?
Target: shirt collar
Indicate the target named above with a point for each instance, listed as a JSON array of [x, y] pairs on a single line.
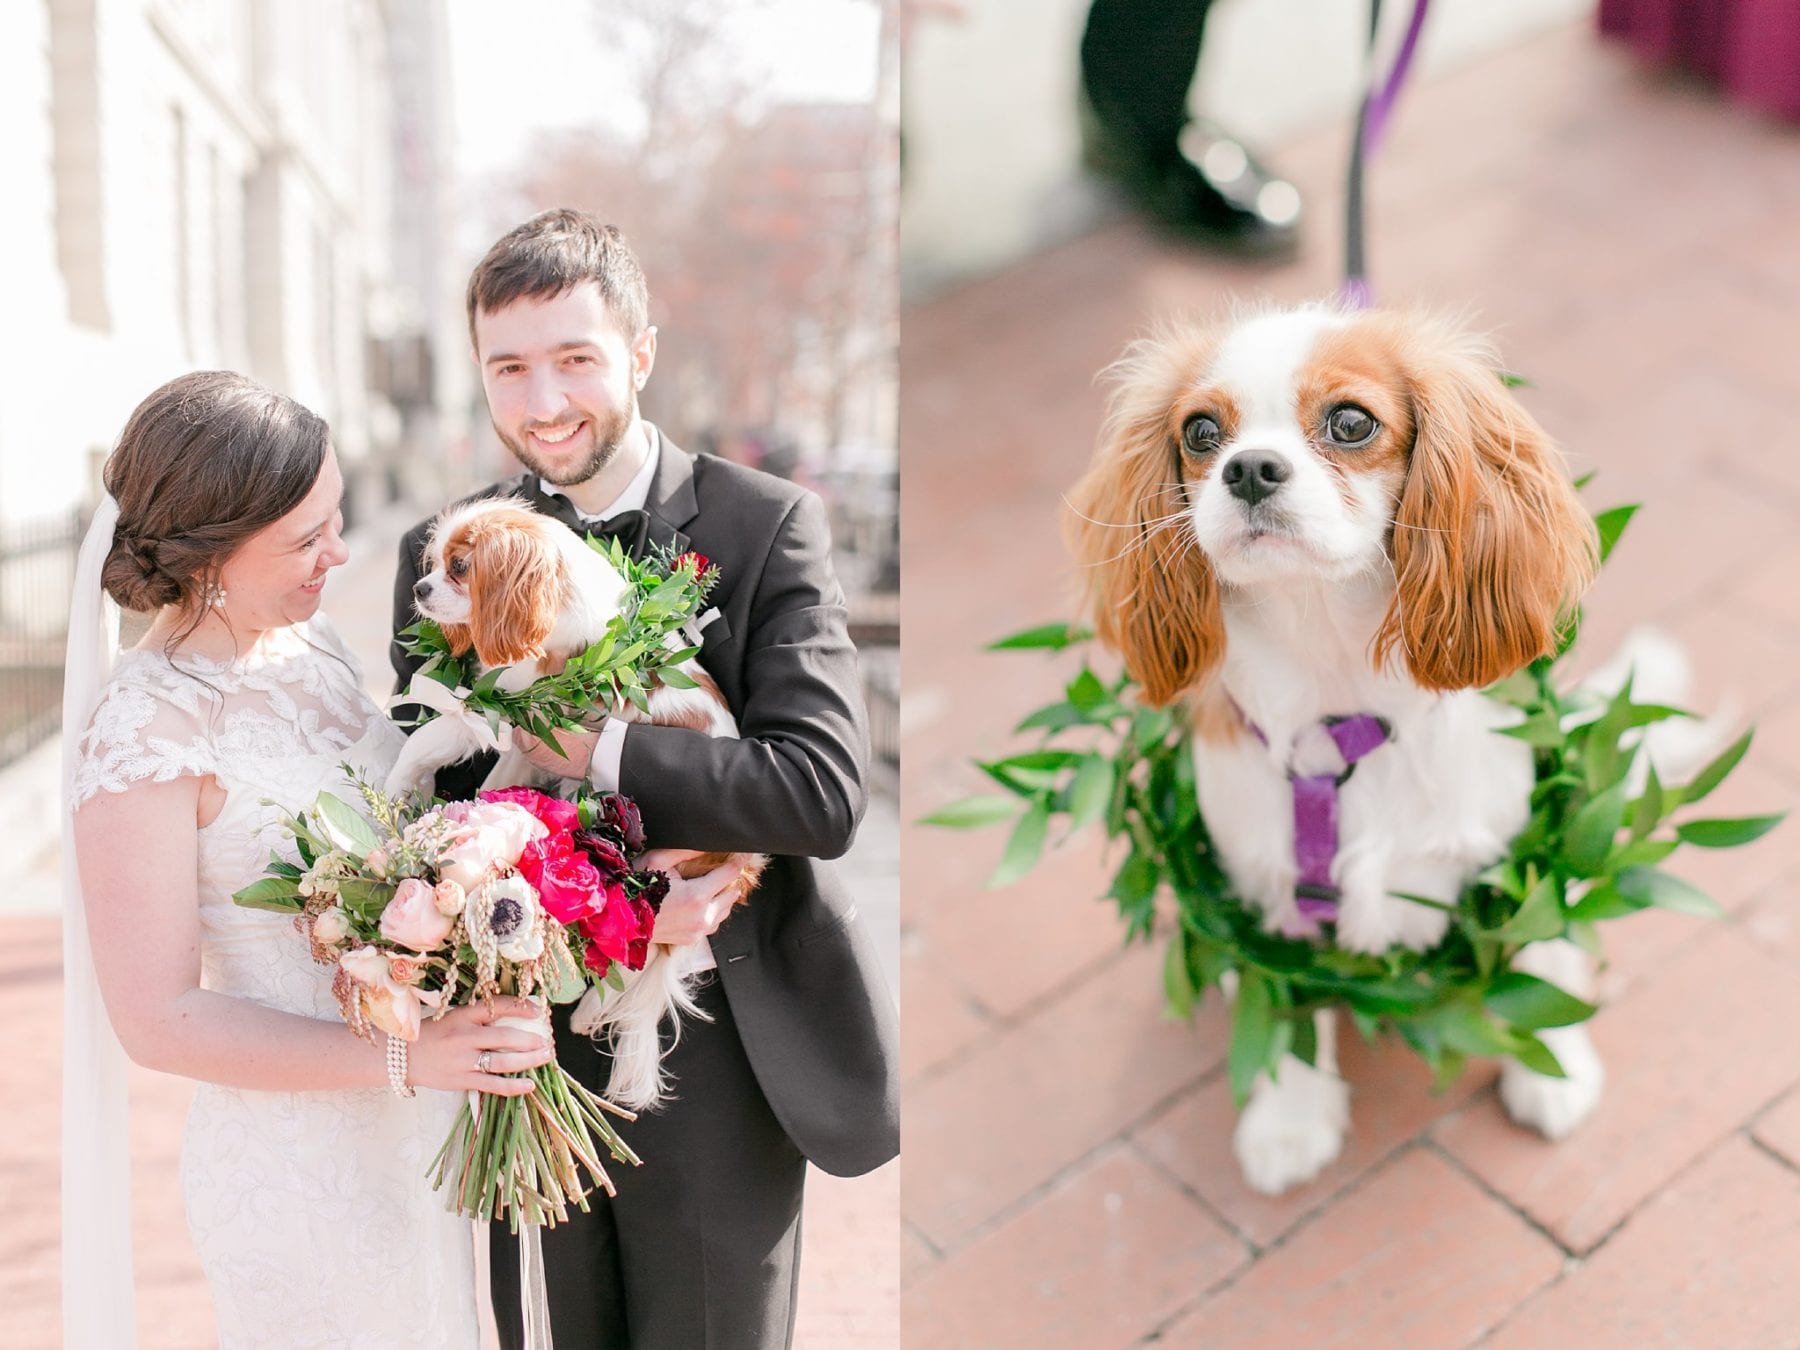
[[637, 492]]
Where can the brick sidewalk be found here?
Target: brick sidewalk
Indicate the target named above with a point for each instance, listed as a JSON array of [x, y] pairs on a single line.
[[1069, 1179]]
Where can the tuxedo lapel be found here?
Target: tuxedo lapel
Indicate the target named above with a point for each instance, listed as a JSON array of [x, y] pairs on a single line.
[[672, 503]]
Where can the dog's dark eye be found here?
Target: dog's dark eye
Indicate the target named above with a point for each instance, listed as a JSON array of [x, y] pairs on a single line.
[[1200, 435], [1350, 426], [459, 567]]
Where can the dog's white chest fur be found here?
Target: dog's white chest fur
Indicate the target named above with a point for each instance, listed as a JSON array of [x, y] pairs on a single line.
[[1419, 814]]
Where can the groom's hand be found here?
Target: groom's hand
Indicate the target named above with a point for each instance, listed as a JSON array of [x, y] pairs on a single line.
[[695, 906], [578, 751]]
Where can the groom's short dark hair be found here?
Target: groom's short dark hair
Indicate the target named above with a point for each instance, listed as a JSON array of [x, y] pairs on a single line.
[[554, 252]]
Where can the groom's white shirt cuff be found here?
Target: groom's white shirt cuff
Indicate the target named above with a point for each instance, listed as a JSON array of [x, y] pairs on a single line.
[[603, 766]]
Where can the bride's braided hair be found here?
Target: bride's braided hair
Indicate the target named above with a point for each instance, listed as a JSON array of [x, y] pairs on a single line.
[[203, 464]]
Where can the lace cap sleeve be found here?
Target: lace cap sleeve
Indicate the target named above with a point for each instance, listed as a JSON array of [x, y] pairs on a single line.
[[136, 736]]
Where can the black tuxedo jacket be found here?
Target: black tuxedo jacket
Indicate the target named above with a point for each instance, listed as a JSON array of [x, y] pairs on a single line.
[[797, 965]]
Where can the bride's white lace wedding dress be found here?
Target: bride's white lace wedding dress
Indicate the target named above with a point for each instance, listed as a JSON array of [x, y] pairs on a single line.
[[311, 1211]]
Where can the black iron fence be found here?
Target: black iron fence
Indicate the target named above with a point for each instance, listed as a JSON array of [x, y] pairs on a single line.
[[37, 569]]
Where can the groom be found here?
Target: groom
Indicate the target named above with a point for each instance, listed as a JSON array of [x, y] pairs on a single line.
[[701, 1245]]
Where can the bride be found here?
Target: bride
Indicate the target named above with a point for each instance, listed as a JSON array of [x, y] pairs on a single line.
[[304, 1158]]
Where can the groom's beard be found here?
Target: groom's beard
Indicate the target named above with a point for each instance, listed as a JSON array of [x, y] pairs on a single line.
[[608, 435]]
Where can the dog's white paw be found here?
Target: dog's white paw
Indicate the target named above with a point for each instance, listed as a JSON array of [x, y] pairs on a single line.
[[1555, 1106], [1292, 1128]]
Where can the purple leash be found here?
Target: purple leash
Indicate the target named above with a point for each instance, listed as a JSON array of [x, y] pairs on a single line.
[[1316, 809], [1371, 122]]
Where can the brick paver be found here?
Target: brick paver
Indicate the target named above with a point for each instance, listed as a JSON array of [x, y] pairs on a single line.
[[1630, 238], [1418, 1256], [1108, 1247], [1707, 1263]]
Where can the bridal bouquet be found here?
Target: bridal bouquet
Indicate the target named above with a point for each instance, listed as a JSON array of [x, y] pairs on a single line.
[[432, 908]]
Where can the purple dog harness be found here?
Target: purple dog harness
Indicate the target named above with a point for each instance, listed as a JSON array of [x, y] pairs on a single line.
[[1316, 809]]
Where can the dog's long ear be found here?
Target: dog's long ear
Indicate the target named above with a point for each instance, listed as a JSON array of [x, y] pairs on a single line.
[[516, 586], [1492, 549], [1153, 594]]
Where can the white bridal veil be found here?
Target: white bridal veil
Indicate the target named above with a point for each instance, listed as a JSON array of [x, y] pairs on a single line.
[[98, 1306]]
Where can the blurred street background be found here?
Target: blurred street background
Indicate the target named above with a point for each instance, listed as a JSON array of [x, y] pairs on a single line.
[[1627, 231], [298, 191]]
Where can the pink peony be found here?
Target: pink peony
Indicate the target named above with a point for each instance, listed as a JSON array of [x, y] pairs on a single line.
[[557, 815], [492, 837], [411, 918]]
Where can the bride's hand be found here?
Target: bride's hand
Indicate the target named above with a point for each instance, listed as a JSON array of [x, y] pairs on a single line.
[[448, 1050]]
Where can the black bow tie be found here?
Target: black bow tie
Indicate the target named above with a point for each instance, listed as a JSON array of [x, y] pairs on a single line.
[[630, 528]]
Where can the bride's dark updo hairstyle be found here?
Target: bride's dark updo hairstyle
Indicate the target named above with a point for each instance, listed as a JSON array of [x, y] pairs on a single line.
[[204, 463]]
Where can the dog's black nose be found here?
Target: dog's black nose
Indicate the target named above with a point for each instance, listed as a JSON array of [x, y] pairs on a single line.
[[421, 588], [1255, 474]]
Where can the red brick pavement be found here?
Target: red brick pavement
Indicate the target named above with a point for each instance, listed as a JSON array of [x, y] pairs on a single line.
[[1632, 241]]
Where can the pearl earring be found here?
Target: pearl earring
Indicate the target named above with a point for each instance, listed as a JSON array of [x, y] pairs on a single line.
[[215, 596]]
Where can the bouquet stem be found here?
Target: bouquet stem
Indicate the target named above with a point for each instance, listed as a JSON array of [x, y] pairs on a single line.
[[522, 1158]]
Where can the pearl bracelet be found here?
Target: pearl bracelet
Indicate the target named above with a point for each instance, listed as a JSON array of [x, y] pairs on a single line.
[[396, 1067]]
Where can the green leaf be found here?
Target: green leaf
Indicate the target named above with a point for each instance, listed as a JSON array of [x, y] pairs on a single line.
[[365, 898], [1052, 717], [1727, 833], [277, 894], [1647, 810], [1085, 691], [1090, 791], [1715, 773], [677, 679], [1541, 730], [1464, 1027], [1050, 637], [1604, 901], [1026, 843], [1252, 1032], [1135, 881], [1529, 1002], [1541, 916], [1536, 1056], [973, 812], [1645, 852], [1590, 835], [1650, 886], [1610, 525], [343, 825]]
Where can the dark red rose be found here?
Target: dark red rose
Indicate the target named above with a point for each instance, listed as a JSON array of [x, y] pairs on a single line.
[[596, 961], [652, 888], [700, 560], [612, 926], [557, 815], [619, 814], [605, 854], [646, 921]]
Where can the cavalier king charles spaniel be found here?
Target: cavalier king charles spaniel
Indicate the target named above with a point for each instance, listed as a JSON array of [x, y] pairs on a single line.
[[1324, 532], [525, 592]]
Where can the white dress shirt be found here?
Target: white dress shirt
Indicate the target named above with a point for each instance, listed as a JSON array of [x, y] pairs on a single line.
[[603, 767]]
